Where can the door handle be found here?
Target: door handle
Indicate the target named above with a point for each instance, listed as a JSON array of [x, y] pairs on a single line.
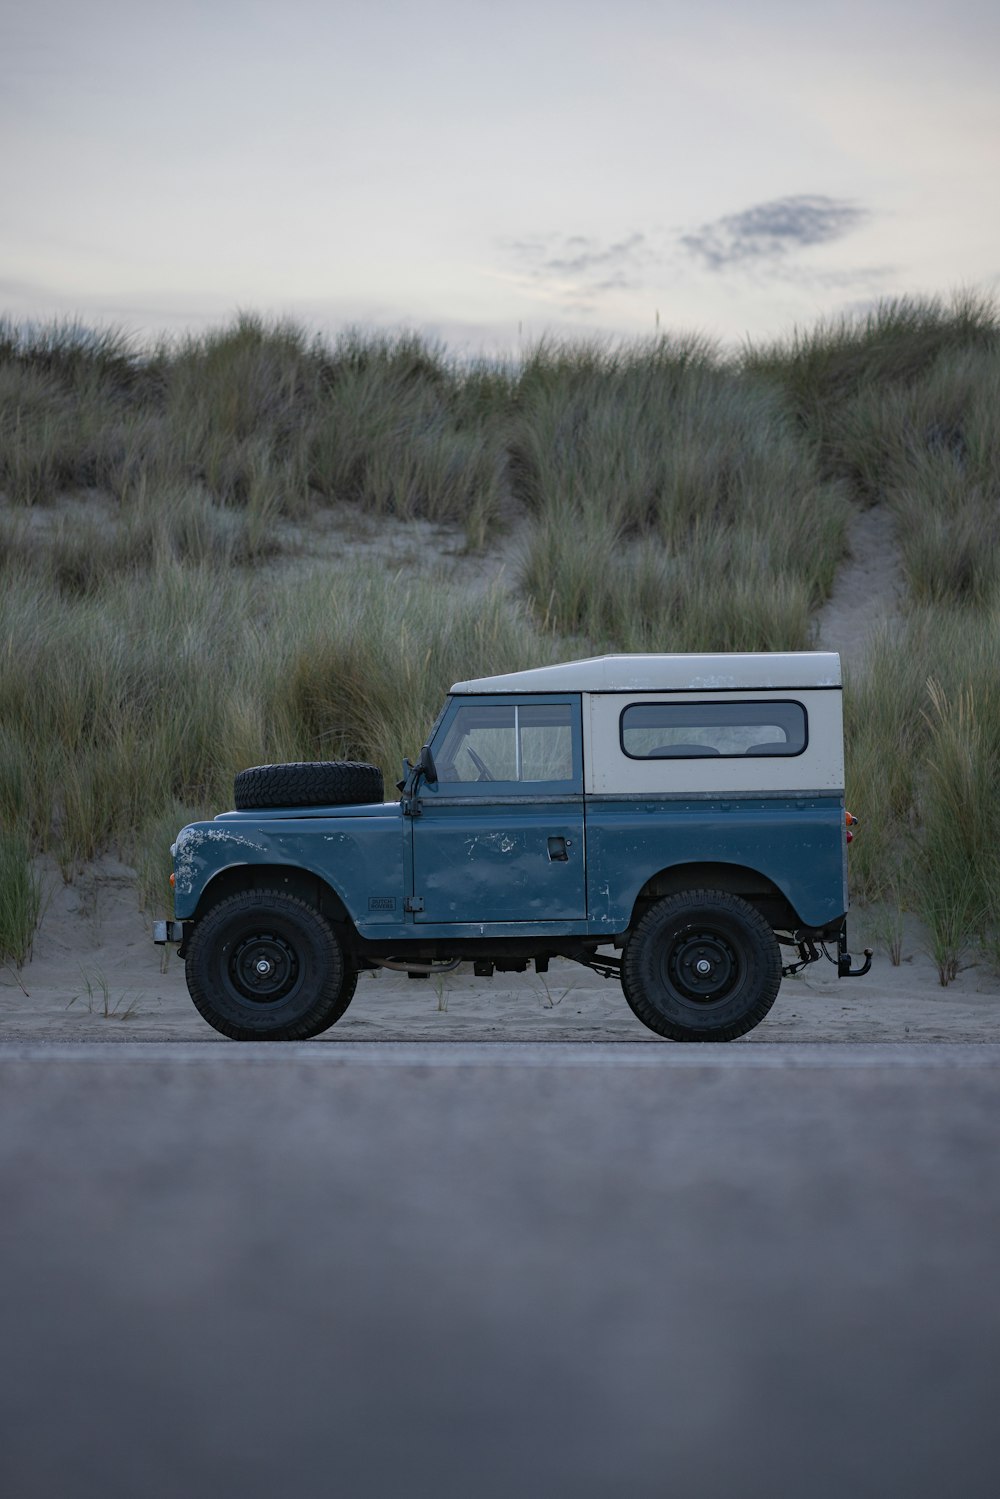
[[559, 850]]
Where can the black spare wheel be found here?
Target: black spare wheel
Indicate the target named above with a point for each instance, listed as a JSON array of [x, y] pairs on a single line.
[[321, 783], [263, 966], [701, 966]]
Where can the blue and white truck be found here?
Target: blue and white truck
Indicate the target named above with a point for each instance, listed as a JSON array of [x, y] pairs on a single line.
[[675, 822]]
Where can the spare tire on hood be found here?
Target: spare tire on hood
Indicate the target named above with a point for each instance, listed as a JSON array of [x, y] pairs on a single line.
[[321, 783]]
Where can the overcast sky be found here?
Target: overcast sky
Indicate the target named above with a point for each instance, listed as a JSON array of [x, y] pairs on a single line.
[[475, 169]]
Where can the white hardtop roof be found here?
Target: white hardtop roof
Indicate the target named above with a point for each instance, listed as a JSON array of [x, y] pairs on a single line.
[[762, 672]]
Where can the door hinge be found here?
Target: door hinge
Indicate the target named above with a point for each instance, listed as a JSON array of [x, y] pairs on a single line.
[[413, 903]]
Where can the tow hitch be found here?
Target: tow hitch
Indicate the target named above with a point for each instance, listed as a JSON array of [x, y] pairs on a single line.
[[844, 959]]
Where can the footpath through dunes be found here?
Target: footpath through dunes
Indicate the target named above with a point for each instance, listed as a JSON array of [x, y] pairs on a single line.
[[868, 591]]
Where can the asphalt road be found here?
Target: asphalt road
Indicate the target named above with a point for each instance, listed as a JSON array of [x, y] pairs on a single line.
[[490, 1270]]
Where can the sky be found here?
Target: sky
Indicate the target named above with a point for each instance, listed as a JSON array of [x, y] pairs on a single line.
[[491, 173]]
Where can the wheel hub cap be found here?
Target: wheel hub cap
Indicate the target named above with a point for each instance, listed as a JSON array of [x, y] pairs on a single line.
[[703, 966], [263, 968]]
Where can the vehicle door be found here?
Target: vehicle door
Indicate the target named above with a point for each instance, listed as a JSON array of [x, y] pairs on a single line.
[[500, 836]]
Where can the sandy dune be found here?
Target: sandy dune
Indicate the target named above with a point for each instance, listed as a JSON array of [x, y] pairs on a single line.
[[96, 974]]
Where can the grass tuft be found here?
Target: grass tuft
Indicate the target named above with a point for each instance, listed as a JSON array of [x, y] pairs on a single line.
[[20, 899]]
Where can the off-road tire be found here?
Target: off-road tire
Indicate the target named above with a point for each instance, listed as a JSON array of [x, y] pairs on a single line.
[[701, 966], [321, 783], [264, 966]]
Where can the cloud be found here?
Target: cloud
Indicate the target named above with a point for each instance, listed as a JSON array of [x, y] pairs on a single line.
[[764, 235], [576, 273], [576, 270]]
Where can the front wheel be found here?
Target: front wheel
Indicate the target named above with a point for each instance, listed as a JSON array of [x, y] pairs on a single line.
[[701, 966], [264, 966]]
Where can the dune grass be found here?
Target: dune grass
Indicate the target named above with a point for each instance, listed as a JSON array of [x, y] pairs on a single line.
[[833, 374], [252, 416], [923, 732], [157, 687], [20, 898], [901, 406], [672, 498], [677, 508]]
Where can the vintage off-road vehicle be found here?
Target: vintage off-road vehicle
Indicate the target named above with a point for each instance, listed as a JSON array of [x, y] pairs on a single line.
[[672, 821]]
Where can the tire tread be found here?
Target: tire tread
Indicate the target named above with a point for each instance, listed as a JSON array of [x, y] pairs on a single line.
[[298, 783]]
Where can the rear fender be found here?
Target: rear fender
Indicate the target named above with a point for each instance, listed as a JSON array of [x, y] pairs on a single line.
[[755, 888]]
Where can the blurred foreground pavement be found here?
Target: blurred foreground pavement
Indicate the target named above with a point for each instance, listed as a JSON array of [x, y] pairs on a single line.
[[482, 1270]]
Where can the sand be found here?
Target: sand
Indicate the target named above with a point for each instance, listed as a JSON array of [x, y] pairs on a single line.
[[96, 975]]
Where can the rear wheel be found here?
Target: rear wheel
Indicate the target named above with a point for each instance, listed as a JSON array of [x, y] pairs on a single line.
[[701, 966], [264, 966]]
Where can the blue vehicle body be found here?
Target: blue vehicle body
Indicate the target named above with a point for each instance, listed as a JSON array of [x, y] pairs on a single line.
[[476, 871], [483, 859]]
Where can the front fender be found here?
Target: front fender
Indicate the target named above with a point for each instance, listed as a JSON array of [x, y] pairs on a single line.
[[357, 851]]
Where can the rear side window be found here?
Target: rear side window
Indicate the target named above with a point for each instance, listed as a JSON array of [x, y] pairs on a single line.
[[681, 731]]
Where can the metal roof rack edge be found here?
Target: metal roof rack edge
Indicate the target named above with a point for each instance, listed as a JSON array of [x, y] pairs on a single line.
[[760, 671]]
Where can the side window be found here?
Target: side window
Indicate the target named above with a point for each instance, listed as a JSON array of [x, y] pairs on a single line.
[[652, 731], [508, 742], [479, 745]]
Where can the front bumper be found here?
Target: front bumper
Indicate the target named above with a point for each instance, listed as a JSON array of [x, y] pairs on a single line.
[[168, 931]]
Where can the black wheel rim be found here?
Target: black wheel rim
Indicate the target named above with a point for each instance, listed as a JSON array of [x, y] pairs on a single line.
[[703, 966], [263, 968]]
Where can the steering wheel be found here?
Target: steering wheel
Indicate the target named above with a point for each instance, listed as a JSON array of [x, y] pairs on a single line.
[[485, 774]]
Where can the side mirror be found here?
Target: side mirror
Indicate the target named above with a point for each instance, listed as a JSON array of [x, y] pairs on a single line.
[[423, 769], [425, 765]]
